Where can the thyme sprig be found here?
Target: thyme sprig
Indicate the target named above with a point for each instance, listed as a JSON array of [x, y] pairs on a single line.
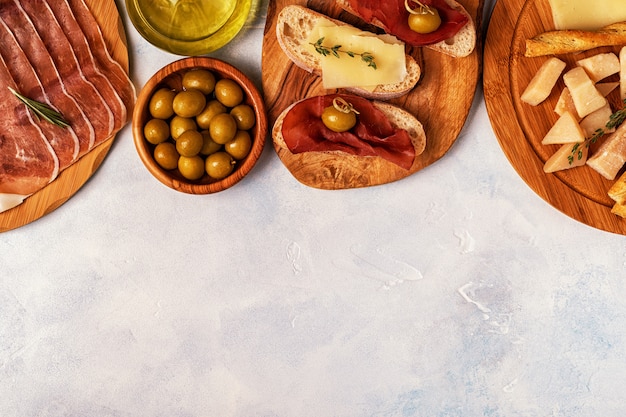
[[320, 48], [616, 119], [42, 110]]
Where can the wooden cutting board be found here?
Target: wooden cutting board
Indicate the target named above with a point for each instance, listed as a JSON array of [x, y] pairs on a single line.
[[580, 193], [74, 177], [441, 100]]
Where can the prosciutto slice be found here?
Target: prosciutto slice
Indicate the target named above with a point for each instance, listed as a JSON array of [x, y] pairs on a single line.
[[27, 160], [394, 18], [373, 135], [53, 51], [63, 141]]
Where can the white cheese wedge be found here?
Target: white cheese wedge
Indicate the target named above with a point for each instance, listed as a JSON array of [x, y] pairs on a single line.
[[565, 130], [611, 155], [622, 72], [566, 104], [600, 66], [566, 157], [8, 201], [586, 96], [597, 120], [346, 71], [587, 14], [544, 80]]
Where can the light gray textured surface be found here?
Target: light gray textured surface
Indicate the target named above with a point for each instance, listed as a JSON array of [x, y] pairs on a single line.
[[454, 292]]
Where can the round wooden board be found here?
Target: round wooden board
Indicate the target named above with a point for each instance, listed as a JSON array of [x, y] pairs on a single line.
[[580, 193], [441, 100], [74, 177]]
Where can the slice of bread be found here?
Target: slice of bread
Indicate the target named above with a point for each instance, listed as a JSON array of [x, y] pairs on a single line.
[[293, 25], [460, 45], [399, 118]]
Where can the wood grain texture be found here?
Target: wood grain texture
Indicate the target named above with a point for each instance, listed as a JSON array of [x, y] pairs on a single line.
[[441, 101], [580, 193], [74, 177]]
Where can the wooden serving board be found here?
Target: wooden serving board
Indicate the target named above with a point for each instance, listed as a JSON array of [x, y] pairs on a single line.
[[441, 100], [74, 177], [581, 193]]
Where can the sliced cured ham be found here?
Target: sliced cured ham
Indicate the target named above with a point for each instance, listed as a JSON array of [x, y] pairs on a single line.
[[53, 51], [373, 135], [47, 36], [91, 30], [63, 141], [393, 17], [27, 160], [69, 39], [35, 52]]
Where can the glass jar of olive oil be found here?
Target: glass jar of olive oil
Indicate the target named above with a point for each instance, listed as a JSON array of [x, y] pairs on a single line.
[[188, 27]]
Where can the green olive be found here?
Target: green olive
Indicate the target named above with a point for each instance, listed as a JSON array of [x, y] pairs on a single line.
[[425, 21], [191, 167], [212, 108], [337, 120], [209, 146], [161, 103], [189, 143], [166, 156], [244, 116], [219, 165], [156, 131], [240, 146], [223, 128], [228, 92], [199, 79], [189, 103], [179, 124]]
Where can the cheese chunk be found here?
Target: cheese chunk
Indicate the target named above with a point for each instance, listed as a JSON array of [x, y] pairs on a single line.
[[544, 80], [343, 70], [565, 130], [597, 120], [560, 160], [600, 66], [587, 14], [565, 103], [586, 96], [611, 155]]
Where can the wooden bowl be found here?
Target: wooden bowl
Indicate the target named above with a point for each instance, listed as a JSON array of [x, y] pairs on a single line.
[[170, 76]]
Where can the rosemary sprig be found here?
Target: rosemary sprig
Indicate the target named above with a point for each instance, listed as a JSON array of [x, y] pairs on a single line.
[[42, 110], [366, 57], [616, 119]]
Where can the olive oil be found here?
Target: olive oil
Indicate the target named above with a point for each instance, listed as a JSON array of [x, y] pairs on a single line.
[[188, 27], [187, 20]]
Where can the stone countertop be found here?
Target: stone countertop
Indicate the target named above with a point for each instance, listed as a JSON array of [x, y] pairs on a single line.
[[454, 292]]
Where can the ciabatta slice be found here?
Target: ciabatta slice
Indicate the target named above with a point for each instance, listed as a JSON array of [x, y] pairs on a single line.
[[293, 26], [460, 45]]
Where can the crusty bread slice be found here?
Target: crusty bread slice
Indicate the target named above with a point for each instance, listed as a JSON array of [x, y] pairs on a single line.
[[293, 25], [460, 45], [399, 118]]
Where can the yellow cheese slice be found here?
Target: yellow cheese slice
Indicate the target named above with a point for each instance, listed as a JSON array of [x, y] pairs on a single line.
[[352, 71], [587, 14]]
